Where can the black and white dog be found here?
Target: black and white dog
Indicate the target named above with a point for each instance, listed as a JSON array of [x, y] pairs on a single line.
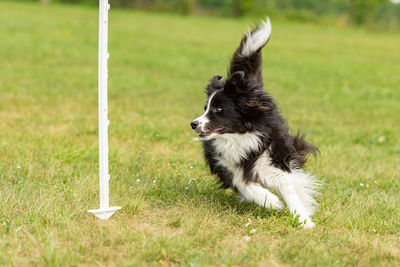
[[246, 141]]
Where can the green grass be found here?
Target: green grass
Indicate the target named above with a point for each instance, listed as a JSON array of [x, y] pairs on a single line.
[[339, 85]]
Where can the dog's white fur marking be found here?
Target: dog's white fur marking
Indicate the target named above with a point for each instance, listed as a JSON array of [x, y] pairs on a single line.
[[234, 147], [203, 120], [297, 188], [255, 192], [257, 39]]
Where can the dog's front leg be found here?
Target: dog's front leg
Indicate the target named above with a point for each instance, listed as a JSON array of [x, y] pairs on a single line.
[[253, 192], [289, 194]]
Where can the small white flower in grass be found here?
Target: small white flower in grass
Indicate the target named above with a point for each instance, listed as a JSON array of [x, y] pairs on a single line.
[[375, 182], [373, 230], [381, 139], [137, 180], [18, 167], [154, 181], [187, 187], [191, 180], [253, 231], [246, 238], [361, 184], [250, 221], [191, 167]]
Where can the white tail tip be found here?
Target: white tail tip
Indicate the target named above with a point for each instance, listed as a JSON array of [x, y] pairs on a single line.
[[257, 39]]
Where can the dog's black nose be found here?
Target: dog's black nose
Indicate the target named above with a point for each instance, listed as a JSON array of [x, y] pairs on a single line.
[[194, 124]]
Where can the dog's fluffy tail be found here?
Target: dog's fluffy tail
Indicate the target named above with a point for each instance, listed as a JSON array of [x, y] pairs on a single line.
[[256, 39], [247, 58]]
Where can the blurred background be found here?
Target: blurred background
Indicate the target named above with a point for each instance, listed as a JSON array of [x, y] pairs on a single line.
[[376, 14]]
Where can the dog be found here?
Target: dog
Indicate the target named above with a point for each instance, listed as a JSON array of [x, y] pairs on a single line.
[[247, 143]]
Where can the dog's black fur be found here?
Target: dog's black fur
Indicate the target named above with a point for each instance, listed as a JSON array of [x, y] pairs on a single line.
[[246, 107]]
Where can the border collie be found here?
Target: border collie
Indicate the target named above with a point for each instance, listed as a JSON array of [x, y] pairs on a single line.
[[246, 141]]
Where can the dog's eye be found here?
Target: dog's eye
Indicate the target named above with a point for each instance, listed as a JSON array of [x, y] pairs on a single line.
[[218, 109]]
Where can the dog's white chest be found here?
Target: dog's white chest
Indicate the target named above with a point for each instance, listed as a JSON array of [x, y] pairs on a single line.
[[232, 150]]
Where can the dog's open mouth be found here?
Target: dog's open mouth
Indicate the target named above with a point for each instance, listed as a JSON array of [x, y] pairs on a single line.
[[208, 133]]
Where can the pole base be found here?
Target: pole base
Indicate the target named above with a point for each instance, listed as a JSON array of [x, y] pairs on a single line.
[[104, 213]]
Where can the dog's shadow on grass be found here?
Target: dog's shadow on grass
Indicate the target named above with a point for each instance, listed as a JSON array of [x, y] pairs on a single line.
[[207, 195], [228, 200]]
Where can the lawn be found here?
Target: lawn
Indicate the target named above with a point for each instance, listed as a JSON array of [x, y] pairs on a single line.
[[340, 85]]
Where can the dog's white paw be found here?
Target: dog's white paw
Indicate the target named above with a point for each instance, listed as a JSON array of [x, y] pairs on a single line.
[[242, 199], [307, 223], [274, 202]]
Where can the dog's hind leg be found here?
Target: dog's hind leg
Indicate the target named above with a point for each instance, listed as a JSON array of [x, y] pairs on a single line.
[[253, 192], [306, 187], [287, 189]]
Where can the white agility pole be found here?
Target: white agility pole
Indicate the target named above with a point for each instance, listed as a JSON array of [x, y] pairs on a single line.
[[105, 211]]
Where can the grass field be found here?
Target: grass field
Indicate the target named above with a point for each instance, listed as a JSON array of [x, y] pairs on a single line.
[[341, 86]]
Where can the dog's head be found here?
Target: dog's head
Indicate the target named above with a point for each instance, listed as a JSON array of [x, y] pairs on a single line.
[[235, 104]]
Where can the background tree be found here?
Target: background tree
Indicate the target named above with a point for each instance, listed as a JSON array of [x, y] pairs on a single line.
[[360, 10]]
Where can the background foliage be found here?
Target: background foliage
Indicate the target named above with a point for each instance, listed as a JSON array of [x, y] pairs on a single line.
[[374, 13]]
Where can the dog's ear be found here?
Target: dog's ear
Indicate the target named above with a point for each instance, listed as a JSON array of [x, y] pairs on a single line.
[[214, 84], [247, 57], [248, 95], [235, 83]]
